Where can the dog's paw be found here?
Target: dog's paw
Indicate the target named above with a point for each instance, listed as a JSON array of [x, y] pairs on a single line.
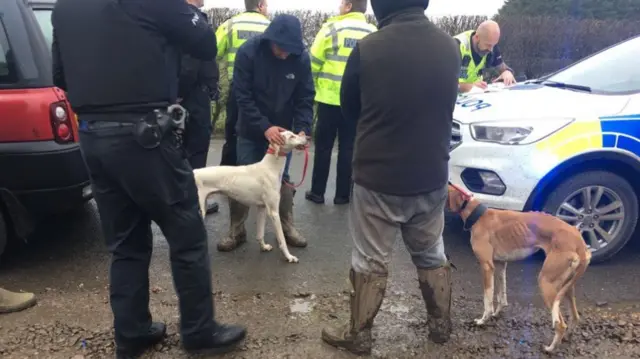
[[266, 248], [480, 322], [549, 349], [292, 259]]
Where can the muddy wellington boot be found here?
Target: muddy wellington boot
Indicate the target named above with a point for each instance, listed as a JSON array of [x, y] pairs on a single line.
[[291, 234], [237, 235], [435, 285], [366, 299], [11, 302]]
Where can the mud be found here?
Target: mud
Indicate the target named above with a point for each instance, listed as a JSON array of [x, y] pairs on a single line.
[[288, 327], [285, 306]]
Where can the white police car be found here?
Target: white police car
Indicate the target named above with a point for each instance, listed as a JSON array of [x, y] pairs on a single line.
[[567, 144]]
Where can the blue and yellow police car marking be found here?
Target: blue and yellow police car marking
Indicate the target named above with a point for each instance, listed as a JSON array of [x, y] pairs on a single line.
[[621, 132], [574, 138]]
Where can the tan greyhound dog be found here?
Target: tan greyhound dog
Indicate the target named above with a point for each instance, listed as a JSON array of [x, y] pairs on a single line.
[[500, 236]]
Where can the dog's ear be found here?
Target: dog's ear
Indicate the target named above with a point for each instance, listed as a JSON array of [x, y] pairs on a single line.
[[276, 150]]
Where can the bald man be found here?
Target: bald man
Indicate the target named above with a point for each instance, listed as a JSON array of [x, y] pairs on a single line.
[[479, 50]]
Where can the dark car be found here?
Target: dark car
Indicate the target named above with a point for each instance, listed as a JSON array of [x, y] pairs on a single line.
[[41, 168]]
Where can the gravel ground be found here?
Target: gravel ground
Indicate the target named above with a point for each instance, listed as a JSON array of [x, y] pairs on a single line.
[[289, 328], [286, 305]]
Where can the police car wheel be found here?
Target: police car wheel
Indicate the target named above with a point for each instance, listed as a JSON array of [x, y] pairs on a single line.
[[602, 205], [4, 233]]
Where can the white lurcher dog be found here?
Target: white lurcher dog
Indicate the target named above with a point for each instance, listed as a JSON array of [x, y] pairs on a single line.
[[254, 185]]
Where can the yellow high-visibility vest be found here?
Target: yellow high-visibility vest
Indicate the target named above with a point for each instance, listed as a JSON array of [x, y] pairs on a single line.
[[235, 31], [330, 51], [470, 72]]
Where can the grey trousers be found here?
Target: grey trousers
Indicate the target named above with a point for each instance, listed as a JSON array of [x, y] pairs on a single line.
[[375, 219]]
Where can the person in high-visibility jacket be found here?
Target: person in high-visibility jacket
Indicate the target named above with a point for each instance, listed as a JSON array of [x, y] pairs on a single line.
[[329, 53], [232, 33], [479, 50], [230, 36]]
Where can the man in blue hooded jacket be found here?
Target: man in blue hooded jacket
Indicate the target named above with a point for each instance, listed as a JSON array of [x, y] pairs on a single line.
[[274, 90]]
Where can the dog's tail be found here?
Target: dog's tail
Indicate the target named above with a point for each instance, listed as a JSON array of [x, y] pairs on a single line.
[[587, 256], [574, 263], [202, 193]]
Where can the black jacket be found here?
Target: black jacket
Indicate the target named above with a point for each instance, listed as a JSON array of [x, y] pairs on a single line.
[[123, 56], [404, 113], [196, 74], [270, 91]]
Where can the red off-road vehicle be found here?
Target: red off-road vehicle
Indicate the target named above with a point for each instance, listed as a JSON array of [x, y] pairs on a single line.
[[41, 167]]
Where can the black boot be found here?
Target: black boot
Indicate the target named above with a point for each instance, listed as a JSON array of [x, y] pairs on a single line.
[[134, 349], [224, 339], [212, 207], [315, 198]]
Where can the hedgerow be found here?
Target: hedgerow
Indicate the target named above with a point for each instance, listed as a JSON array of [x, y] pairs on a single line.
[[532, 46]]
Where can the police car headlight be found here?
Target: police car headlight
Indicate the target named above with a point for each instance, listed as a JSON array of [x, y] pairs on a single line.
[[517, 132]]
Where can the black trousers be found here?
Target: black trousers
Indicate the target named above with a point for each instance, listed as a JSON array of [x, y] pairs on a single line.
[[199, 127], [132, 187], [331, 123], [229, 149]]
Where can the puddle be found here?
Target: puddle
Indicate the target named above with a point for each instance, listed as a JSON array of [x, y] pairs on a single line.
[[301, 305], [398, 308]]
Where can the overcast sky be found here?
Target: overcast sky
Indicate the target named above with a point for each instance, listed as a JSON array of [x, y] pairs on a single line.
[[436, 7]]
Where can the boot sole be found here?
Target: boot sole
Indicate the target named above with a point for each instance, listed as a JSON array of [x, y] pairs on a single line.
[[342, 346], [297, 245], [314, 201], [24, 306], [139, 351], [217, 351], [439, 340], [346, 348]]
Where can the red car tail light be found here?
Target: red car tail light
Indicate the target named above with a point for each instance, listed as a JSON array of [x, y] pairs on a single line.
[[61, 122]]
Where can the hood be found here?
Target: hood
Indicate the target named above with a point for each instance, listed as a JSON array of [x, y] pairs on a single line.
[[382, 9], [286, 32], [535, 102]]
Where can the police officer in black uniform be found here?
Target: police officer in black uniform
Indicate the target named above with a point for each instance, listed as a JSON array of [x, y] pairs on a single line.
[[197, 87], [118, 62]]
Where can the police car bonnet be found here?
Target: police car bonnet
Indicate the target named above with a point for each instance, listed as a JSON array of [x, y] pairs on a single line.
[[286, 32], [383, 8]]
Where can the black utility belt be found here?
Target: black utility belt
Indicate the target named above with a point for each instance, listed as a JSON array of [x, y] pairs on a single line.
[[148, 130]]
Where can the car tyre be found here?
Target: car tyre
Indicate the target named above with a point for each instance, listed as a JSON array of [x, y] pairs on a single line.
[[612, 186]]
